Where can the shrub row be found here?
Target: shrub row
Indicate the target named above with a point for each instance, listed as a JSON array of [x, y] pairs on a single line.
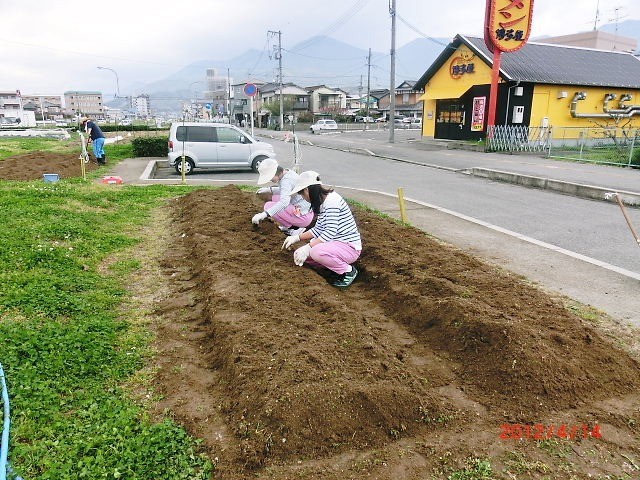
[[131, 128], [150, 147]]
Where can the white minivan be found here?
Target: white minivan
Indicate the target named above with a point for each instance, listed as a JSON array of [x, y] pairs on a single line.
[[214, 146]]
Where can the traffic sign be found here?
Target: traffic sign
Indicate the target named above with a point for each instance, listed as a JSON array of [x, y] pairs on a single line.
[[250, 90], [208, 106]]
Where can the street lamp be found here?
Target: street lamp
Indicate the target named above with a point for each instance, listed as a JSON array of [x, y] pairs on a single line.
[[117, 95], [193, 83], [194, 101]]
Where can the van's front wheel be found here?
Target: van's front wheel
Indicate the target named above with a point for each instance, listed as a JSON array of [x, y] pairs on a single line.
[[188, 166], [256, 163]]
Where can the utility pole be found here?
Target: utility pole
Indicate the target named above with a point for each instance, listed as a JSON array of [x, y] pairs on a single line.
[[392, 88], [279, 57], [368, 88], [228, 96]]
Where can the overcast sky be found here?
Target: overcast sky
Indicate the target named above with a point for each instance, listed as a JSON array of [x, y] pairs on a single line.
[[47, 47]]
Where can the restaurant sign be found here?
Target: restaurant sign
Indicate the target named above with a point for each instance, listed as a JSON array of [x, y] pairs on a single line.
[[507, 24]]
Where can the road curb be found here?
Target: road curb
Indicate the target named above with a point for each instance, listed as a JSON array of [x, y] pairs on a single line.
[[575, 189]]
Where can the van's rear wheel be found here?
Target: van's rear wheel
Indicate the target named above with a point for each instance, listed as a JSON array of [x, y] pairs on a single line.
[[256, 163], [188, 166]]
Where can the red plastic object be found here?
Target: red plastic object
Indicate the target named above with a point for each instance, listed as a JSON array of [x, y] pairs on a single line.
[[111, 179]]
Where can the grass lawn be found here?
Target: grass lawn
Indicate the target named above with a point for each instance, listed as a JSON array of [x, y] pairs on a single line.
[[67, 348]]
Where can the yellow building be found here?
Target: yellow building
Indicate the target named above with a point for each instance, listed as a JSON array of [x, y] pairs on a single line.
[[541, 85]]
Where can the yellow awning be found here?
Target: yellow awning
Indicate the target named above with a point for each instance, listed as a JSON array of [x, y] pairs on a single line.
[[453, 90]]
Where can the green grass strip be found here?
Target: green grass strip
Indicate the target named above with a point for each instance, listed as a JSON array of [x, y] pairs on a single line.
[[66, 349]]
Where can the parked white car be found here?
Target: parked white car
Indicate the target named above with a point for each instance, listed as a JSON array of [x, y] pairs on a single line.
[[321, 125], [215, 146]]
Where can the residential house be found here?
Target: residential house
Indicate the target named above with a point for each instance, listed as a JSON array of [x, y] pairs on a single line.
[[11, 110], [295, 100], [325, 100], [408, 102], [240, 105], [10, 103], [45, 107], [381, 97], [354, 103]]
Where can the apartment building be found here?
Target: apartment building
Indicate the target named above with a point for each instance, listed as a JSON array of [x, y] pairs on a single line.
[[141, 105], [85, 103], [217, 91]]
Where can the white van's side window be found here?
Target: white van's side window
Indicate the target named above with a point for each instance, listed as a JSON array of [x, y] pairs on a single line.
[[229, 135], [195, 134]]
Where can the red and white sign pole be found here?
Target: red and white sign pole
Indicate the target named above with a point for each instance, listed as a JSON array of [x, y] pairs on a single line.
[[493, 91], [507, 24]]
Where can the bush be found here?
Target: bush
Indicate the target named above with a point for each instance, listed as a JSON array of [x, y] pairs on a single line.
[[635, 159], [130, 128], [150, 147], [304, 117]]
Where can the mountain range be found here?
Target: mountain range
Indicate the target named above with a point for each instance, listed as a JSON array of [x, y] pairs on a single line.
[[319, 60]]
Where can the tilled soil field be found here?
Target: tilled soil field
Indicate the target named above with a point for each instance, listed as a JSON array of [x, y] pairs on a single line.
[[432, 362], [32, 165]]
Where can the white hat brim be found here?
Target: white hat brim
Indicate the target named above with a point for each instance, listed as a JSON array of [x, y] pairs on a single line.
[[304, 184], [267, 175]]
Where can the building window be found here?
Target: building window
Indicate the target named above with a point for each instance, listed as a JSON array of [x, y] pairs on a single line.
[[405, 98]]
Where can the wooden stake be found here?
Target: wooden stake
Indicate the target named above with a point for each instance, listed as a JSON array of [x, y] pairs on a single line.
[[403, 210]]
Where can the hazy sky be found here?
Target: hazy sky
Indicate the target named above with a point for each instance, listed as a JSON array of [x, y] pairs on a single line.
[[47, 47]]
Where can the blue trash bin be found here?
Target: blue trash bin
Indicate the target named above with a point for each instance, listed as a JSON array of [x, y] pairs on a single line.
[[50, 177]]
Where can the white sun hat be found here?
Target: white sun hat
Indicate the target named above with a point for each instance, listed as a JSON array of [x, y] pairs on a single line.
[[306, 178], [267, 170]]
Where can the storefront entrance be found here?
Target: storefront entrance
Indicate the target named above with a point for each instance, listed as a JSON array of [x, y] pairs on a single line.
[[450, 120]]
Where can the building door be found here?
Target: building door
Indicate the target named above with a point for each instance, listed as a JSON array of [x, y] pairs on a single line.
[[450, 120]]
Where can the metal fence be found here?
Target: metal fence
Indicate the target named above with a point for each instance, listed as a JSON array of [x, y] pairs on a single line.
[[518, 138], [606, 145]]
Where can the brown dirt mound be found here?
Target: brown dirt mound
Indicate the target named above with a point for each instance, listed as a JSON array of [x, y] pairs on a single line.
[[281, 369], [32, 165]]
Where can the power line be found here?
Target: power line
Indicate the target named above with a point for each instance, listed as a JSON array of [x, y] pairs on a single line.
[[355, 8], [319, 58], [264, 49], [424, 35]]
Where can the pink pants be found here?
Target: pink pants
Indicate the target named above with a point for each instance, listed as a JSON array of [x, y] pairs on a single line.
[[336, 256], [289, 216]]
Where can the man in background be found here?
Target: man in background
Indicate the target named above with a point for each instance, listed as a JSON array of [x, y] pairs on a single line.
[[96, 138]]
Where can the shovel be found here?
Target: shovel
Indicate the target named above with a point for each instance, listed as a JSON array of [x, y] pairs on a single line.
[[608, 195]]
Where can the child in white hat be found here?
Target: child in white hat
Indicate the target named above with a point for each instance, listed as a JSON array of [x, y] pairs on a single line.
[[334, 241], [291, 211]]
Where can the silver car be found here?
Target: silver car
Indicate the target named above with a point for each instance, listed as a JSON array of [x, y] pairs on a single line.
[[214, 146]]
